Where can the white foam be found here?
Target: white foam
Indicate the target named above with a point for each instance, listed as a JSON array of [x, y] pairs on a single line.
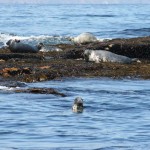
[[6, 37], [5, 88], [46, 39], [103, 39]]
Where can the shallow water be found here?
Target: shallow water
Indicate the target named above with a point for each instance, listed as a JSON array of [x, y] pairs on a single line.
[[116, 116]]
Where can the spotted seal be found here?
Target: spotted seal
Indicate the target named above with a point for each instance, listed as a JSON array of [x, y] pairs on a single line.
[[106, 56], [17, 46], [78, 105], [84, 38]]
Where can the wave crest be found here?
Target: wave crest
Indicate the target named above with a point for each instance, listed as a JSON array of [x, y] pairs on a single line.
[[45, 39]]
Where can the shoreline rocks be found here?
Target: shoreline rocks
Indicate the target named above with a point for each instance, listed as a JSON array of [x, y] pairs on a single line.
[[70, 61]]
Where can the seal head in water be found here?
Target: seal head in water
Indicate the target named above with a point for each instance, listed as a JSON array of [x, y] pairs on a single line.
[[78, 105]]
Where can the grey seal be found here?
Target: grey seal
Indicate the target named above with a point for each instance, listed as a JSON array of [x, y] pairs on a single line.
[[78, 105], [17, 46], [106, 56], [84, 38]]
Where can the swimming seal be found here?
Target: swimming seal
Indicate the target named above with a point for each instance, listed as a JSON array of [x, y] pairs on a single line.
[[78, 105], [84, 38], [17, 46], [106, 56]]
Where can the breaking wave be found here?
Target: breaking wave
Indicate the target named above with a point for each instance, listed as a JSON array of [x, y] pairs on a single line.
[[45, 39]]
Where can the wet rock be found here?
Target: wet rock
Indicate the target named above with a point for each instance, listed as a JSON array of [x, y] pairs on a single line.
[[44, 67], [74, 54], [20, 56], [8, 83], [2, 60], [26, 70], [42, 77], [15, 71], [11, 71], [40, 91], [66, 63]]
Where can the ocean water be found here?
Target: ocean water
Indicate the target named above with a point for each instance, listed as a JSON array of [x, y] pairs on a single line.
[[52, 24], [115, 117], [116, 113]]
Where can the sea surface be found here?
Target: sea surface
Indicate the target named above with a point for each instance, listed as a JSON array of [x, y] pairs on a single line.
[[52, 24], [117, 111]]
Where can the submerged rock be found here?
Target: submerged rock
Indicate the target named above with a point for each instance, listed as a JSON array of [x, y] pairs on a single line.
[[10, 84], [40, 91]]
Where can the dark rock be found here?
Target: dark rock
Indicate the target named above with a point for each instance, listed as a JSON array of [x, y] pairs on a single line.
[[40, 91], [15, 71], [8, 83], [20, 56], [74, 54]]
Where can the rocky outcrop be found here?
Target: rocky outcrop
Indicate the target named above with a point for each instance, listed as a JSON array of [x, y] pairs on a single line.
[[70, 61]]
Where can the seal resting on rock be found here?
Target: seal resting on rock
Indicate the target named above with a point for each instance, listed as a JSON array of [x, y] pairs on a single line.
[[17, 46], [106, 56], [78, 105], [84, 38]]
